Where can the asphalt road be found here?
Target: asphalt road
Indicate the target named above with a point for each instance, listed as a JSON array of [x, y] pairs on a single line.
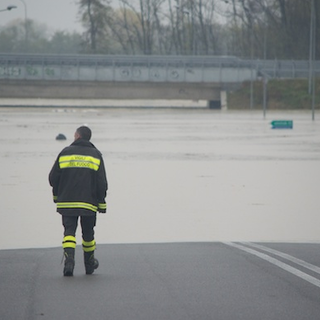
[[220, 281]]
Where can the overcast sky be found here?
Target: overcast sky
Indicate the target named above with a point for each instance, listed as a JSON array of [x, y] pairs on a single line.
[[56, 14]]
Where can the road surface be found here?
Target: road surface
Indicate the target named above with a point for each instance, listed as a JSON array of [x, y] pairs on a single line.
[[216, 281]]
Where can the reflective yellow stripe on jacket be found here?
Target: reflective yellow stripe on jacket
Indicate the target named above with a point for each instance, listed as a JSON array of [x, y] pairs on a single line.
[[79, 161], [76, 205], [102, 206]]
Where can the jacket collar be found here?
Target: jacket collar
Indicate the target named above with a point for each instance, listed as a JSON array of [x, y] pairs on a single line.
[[83, 143]]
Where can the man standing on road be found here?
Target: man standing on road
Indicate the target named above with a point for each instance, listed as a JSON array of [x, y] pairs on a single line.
[[79, 185]]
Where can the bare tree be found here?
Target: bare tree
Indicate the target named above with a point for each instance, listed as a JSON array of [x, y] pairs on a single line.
[[147, 14], [174, 30], [254, 28], [94, 16]]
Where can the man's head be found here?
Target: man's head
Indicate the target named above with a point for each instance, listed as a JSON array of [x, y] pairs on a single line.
[[83, 132]]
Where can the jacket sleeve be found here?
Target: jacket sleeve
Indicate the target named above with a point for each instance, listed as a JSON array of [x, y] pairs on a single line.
[[54, 179], [102, 187]]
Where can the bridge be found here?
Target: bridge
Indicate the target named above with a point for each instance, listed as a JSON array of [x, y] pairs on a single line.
[[136, 77]]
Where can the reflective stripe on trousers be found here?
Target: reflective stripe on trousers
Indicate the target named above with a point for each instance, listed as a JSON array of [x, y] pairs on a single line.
[[88, 246], [69, 242]]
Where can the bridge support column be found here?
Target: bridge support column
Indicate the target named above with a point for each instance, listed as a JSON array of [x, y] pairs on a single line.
[[224, 100]]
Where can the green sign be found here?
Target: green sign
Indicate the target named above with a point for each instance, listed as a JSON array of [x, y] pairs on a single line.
[[282, 124]]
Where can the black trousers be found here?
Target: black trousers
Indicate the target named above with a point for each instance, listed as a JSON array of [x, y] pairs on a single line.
[[87, 226]]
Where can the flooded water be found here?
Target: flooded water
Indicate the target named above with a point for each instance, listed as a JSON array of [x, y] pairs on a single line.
[[174, 175]]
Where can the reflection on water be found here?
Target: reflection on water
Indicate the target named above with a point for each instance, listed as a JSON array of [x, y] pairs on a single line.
[[174, 175]]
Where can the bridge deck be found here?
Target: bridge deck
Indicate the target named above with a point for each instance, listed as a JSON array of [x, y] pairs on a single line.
[[136, 77], [195, 69]]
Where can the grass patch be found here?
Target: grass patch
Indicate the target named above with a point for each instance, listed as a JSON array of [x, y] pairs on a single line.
[[281, 94]]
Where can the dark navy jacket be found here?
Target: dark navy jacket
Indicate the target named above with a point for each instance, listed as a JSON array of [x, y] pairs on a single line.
[[78, 180]]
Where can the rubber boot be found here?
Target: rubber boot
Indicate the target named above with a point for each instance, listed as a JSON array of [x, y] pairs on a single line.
[[90, 262], [68, 262]]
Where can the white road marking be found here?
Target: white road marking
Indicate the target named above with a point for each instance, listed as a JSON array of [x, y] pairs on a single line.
[[285, 256], [278, 263]]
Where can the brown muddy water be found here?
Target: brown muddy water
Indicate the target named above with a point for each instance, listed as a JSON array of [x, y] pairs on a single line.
[[175, 175]]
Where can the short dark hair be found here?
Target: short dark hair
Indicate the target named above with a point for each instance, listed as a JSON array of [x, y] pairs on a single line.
[[84, 133]]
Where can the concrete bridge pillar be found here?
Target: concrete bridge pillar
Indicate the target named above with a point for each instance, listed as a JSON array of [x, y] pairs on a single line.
[[223, 99]]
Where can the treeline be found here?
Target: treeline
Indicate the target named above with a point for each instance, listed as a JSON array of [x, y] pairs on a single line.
[[259, 29]]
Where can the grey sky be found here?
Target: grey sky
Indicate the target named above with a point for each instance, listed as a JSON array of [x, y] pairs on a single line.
[[56, 14]]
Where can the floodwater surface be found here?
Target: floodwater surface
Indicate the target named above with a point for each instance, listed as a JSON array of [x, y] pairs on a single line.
[[175, 175]]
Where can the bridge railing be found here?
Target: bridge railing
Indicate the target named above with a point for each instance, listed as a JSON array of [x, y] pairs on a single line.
[[196, 69]]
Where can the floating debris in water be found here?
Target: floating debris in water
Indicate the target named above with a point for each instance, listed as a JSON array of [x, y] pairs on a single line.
[[61, 136]]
